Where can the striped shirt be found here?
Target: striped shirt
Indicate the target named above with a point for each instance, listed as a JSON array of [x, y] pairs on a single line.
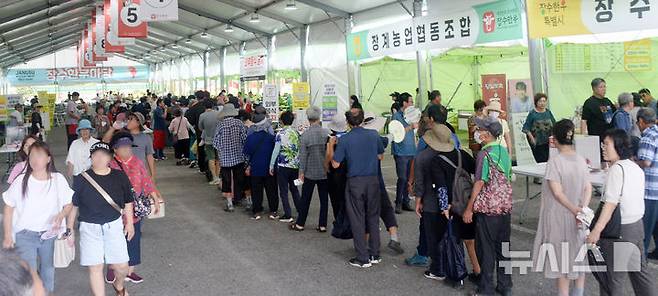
[[649, 151]]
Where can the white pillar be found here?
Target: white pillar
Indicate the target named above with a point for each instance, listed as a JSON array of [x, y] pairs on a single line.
[[222, 77], [421, 63], [303, 41]]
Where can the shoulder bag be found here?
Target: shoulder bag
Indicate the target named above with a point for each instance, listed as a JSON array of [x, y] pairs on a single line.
[[175, 136], [64, 250], [612, 230]]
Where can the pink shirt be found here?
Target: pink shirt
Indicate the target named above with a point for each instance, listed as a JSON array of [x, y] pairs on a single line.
[[18, 169], [180, 128]]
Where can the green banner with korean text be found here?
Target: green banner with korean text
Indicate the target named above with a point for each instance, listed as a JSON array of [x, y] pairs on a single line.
[[484, 23]]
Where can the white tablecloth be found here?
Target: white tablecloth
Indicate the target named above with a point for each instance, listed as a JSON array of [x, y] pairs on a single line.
[[539, 170]]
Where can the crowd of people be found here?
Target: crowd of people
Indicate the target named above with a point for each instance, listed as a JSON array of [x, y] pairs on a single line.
[[459, 195]]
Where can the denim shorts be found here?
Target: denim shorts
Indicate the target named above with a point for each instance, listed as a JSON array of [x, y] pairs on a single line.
[[102, 243]]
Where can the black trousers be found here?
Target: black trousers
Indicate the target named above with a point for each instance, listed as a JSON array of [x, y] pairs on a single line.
[[363, 206], [540, 152], [435, 227], [182, 149], [258, 183], [491, 233], [386, 212], [307, 196], [201, 159]]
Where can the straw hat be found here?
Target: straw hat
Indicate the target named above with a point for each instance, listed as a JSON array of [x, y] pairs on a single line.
[[439, 138], [494, 106], [228, 111]]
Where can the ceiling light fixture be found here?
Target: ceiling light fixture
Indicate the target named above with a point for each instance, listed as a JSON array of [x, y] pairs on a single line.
[[188, 40], [174, 45], [229, 28], [254, 18], [163, 49], [204, 34], [291, 5]]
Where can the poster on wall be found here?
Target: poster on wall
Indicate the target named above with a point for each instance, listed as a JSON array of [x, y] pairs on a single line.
[[494, 88], [159, 10], [253, 67], [489, 22], [547, 18], [521, 102], [329, 101], [301, 96], [597, 58], [271, 101]]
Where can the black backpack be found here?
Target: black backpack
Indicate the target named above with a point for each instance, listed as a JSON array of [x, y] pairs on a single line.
[[462, 185]]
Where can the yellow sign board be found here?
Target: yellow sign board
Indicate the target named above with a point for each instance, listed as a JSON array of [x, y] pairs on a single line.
[[3, 109], [301, 95]]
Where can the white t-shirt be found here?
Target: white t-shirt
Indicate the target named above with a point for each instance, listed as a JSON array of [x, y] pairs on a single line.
[[79, 155], [631, 200], [42, 202]]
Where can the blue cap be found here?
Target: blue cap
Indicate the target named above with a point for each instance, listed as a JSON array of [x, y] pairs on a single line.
[[84, 124]]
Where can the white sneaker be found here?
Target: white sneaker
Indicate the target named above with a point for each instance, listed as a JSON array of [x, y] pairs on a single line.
[[214, 182]]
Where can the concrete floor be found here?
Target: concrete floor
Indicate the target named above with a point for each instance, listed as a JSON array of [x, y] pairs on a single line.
[[199, 249]]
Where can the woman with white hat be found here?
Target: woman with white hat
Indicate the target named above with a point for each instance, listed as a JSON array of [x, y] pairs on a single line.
[[77, 160], [494, 110]]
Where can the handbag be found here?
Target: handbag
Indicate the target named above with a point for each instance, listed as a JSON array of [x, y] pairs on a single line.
[[159, 214], [64, 252], [612, 230], [142, 204], [451, 252]]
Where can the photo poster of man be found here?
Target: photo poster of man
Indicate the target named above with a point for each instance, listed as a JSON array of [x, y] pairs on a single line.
[[521, 102]]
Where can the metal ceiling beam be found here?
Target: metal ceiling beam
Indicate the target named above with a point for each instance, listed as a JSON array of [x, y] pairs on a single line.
[[19, 26], [325, 7], [130, 57], [221, 20], [207, 30], [259, 10], [154, 50], [159, 43], [36, 53], [6, 3], [51, 28], [141, 55], [22, 51], [180, 42], [32, 10], [167, 48], [42, 38]]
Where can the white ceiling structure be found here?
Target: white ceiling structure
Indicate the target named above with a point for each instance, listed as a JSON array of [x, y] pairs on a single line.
[[33, 28]]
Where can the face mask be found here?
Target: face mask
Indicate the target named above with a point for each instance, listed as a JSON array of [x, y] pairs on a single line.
[[476, 135], [494, 114]]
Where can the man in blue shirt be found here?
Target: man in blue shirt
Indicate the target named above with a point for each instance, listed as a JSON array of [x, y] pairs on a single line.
[[362, 150], [647, 159], [622, 118], [403, 153]]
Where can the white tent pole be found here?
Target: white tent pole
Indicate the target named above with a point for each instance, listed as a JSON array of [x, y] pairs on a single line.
[[205, 70], [303, 40], [270, 56], [222, 77], [352, 66], [243, 46], [535, 53], [421, 63]]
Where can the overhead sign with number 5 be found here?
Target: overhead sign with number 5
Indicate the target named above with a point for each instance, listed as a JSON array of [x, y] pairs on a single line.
[[130, 20]]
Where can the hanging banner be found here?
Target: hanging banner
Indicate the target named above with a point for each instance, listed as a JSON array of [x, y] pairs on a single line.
[[253, 67], [109, 46], [130, 20], [494, 89], [301, 95], [491, 22], [547, 18], [88, 60], [20, 77], [111, 9], [159, 10], [92, 27], [99, 31], [271, 101], [521, 102], [329, 101]]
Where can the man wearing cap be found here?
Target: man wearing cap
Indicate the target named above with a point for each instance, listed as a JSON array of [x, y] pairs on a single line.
[[77, 160], [230, 135], [491, 201], [362, 149], [621, 119], [72, 117], [403, 154]]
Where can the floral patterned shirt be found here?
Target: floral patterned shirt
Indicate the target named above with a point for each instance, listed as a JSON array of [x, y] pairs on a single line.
[[139, 178], [288, 140]]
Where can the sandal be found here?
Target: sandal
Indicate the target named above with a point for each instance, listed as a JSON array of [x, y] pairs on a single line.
[[295, 227], [321, 229]]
